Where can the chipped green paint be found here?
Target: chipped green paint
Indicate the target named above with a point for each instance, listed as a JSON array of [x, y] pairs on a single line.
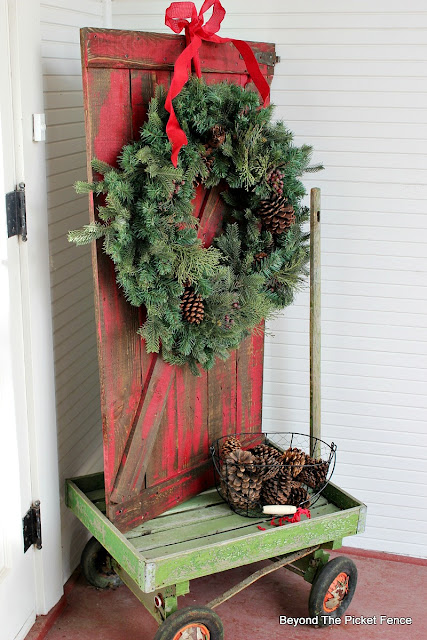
[[220, 555], [147, 599], [318, 560], [202, 536], [182, 588], [339, 497], [105, 532], [337, 544]]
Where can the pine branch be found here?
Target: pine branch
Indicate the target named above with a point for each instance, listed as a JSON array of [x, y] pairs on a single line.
[[87, 234], [101, 167], [84, 187]]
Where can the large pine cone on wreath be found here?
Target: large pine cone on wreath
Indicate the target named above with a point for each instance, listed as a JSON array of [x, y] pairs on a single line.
[[295, 459], [239, 481], [192, 307], [277, 214], [314, 472]]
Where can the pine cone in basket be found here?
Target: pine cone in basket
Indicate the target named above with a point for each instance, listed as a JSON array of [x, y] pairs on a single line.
[[277, 490], [239, 479], [240, 461], [314, 472], [299, 496], [295, 459], [192, 307], [270, 460], [230, 444], [277, 214]]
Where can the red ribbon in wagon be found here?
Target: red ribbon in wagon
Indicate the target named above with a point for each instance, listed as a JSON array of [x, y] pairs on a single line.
[[183, 15], [295, 518]]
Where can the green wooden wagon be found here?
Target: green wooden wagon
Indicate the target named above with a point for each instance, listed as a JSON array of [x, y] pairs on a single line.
[[158, 526], [201, 536]]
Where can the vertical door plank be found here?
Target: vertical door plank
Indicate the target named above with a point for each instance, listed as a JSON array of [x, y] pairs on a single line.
[[193, 438], [143, 86], [163, 463], [136, 455], [211, 215], [222, 398], [249, 384], [119, 346]]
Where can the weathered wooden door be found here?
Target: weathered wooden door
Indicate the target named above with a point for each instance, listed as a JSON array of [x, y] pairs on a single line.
[[158, 420]]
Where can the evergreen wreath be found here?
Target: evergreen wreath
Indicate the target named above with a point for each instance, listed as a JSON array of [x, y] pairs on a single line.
[[202, 302]]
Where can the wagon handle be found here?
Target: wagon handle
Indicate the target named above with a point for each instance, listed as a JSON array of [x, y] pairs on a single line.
[[315, 333]]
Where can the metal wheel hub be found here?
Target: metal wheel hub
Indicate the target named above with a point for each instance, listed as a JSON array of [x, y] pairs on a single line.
[[336, 592], [193, 631]]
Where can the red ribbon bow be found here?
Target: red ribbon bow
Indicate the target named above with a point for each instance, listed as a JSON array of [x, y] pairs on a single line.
[[183, 15]]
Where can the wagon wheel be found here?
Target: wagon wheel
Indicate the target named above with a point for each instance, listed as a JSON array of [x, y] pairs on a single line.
[[96, 566], [333, 590], [191, 623]]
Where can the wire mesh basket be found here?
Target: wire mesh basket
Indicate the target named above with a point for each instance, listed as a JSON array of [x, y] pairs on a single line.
[[255, 469]]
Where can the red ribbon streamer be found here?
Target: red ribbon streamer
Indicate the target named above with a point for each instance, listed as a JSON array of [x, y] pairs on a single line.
[[295, 518], [183, 15]]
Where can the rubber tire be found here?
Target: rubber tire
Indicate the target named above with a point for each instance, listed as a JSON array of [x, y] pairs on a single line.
[[176, 621], [323, 581], [93, 559]]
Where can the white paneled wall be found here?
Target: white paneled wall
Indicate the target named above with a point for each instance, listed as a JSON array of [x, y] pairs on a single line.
[[352, 82], [76, 363]]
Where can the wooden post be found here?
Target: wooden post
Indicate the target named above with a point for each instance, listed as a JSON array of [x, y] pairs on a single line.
[[315, 332]]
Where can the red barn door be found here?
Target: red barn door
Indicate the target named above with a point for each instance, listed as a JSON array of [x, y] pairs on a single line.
[[158, 420]]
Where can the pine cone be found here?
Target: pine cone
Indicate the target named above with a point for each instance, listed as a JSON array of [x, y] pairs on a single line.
[[245, 500], [295, 459], [277, 490], [270, 461], [314, 472], [209, 162], [242, 461], [277, 214], [192, 307], [260, 256], [240, 482], [230, 445], [217, 137], [275, 287], [299, 496]]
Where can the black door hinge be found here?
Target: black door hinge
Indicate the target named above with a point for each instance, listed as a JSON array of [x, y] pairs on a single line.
[[16, 213], [32, 527]]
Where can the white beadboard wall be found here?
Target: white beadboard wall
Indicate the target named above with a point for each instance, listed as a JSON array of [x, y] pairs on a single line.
[[352, 82], [76, 363]]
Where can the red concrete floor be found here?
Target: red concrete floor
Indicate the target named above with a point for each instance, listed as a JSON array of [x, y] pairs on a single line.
[[386, 586]]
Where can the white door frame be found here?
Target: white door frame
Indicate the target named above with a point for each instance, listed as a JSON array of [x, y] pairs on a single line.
[[30, 168], [17, 571]]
